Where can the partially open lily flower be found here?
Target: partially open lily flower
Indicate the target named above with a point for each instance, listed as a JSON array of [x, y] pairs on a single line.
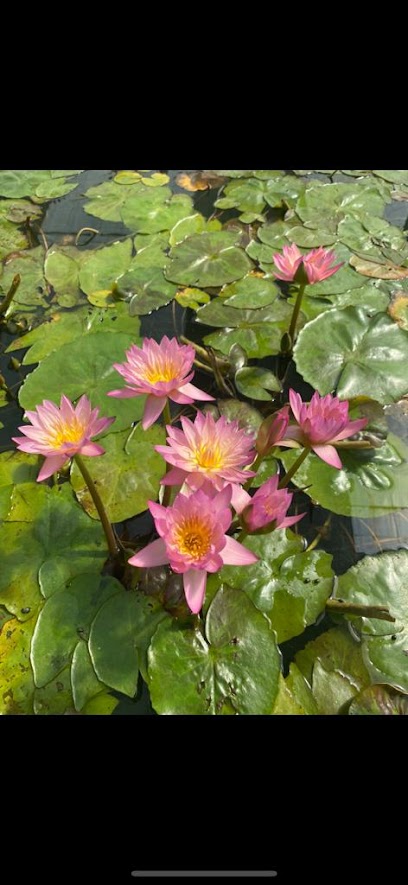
[[317, 264], [162, 370], [61, 432], [193, 540], [268, 507], [321, 423]]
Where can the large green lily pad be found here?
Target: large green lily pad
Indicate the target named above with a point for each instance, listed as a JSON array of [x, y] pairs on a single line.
[[372, 482], [258, 331], [354, 353], [324, 205], [252, 292], [207, 259], [235, 665], [105, 266], [334, 667], [16, 675], [127, 476], [382, 580], [379, 700], [39, 184], [42, 525]]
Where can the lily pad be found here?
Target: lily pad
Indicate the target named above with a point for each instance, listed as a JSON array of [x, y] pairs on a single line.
[[127, 476], [234, 410], [258, 332], [324, 205], [372, 482], [43, 524], [85, 683], [16, 675], [288, 585], [379, 700], [334, 667], [295, 697], [32, 288], [381, 270], [207, 259], [192, 224], [355, 354], [66, 617], [235, 664], [39, 184], [120, 636], [11, 238], [61, 269], [15, 467], [252, 292], [90, 359], [61, 328], [255, 382], [105, 266], [382, 580]]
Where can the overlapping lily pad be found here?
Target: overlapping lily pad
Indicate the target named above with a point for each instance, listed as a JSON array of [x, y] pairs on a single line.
[[382, 580], [334, 667], [257, 331], [207, 259], [235, 665], [39, 184], [140, 208]]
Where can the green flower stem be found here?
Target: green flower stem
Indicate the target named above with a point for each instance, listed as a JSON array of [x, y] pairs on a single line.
[[288, 476], [254, 467], [296, 311], [167, 489], [114, 549], [4, 306]]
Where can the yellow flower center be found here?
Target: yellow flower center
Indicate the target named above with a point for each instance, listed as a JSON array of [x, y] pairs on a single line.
[[162, 371], [209, 457], [194, 538], [66, 433]]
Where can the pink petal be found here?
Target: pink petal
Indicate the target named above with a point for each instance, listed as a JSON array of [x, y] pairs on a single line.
[[295, 403], [290, 520], [195, 392], [154, 554], [175, 476], [153, 408], [126, 391], [240, 498], [328, 454], [194, 587], [235, 553], [50, 466], [91, 449], [101, 424], [352, 427]]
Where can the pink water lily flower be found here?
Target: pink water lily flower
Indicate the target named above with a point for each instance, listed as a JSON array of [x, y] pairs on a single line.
[[193, 540], [322, 423], [272, 430], [61, 432], [268, 508], [318, 264], [287, 263], [161, 370], [208, 450]]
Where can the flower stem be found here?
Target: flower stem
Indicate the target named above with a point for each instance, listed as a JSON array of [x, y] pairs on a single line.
[[292, 470], [167, 489], [110, 537], [4, 306], [296, 311]]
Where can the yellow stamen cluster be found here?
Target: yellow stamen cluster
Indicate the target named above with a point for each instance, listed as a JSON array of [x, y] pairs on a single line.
[[209, 457], [193, 538]]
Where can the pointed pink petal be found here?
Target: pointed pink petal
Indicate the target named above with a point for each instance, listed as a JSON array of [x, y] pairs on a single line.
[[91, 449], [50, 466], [194, 587], [240, 498], [290, 520], [126, 391], [101, 424], [154, 554], [295, 403], [153, 408], [352, 427], [195, 392], [235, 553], [175, 477], [328, 454]]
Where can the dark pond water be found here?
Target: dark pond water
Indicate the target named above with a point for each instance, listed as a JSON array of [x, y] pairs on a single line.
[[347, 539]]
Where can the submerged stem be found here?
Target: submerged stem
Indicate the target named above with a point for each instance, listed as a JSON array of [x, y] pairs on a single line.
[[5, 304], [292, 470], [110, 537]]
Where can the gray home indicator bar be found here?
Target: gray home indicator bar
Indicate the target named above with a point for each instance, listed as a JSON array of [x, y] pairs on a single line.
[[207, 873]]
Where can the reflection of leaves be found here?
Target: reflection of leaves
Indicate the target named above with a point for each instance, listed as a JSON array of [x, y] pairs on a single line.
[[355, 354], [382, 580], [127, 476], [235, 665], [207, 259], [372, 482]]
